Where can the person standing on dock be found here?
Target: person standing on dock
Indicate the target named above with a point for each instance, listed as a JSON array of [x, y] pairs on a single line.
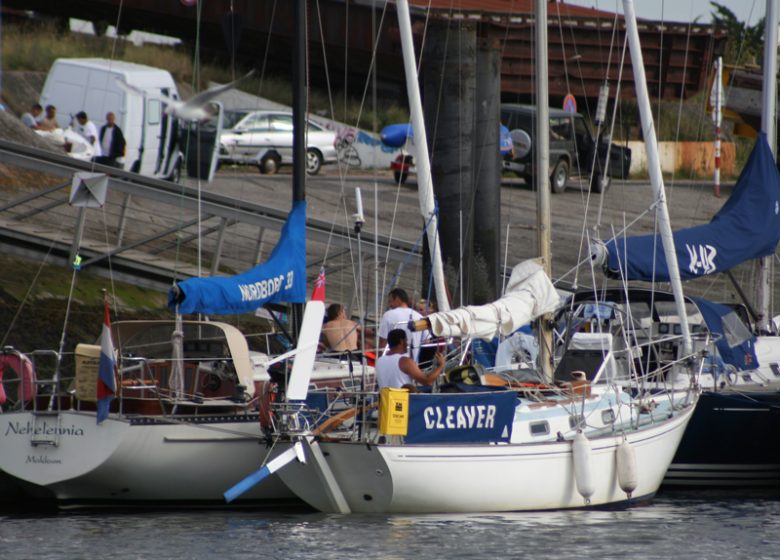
[[112, 142]]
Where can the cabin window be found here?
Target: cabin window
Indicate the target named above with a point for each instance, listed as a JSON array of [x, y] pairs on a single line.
[[735, 330], [540, 428], [153, 111], [775, 369], [747, 378], [608, 417], [576, 420]]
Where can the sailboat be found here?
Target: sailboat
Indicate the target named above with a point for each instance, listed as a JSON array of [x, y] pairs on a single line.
[[726, 442], [595, 437], [190, 400]]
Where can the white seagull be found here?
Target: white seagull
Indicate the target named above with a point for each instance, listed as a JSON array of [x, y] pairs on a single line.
[[196, 107]]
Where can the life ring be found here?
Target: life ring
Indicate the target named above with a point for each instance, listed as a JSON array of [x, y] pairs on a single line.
[[22, 365]]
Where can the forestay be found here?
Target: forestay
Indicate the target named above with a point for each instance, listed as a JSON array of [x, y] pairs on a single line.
[[745, 228], [529, 294]]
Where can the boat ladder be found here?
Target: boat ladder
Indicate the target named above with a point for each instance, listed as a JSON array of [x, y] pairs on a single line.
[[46, 428]]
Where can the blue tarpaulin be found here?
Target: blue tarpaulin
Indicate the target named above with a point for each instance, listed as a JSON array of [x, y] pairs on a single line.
[[461, 417], [746, 227], [282, 278], [735, 343]]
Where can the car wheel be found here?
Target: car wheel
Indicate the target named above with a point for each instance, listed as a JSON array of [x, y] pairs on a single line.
[[313, 162], [559, 176], [269, 165], [400, 177], [597, 185]]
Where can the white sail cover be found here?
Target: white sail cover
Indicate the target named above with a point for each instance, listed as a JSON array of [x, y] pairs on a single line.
[[528, 295]]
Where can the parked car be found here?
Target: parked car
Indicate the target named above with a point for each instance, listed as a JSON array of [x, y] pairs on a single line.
[[572, 146], [396, 135], [265, 139]]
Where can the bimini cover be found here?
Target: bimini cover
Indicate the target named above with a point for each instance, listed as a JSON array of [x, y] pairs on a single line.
[[746, 227], [529, 294], [282, 278], [736, 344]]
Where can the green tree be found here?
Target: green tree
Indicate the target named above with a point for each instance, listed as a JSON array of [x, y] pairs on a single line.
[[744, 43]]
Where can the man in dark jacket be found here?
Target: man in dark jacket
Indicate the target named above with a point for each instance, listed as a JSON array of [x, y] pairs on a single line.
[[112, 142]]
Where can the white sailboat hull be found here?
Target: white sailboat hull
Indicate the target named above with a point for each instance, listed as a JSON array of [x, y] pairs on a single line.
[[482, 478], [138, 462]]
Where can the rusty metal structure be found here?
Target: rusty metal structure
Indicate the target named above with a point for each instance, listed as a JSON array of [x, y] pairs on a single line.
[[585, 45]]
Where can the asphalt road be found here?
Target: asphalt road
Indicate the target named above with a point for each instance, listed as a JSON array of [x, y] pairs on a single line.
[[393, 210]]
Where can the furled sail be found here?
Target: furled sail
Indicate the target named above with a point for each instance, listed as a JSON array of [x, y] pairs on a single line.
[[746, 227], [282, 278], [529, 294]]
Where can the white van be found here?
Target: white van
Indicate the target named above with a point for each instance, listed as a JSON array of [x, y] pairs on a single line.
[[90, 85]]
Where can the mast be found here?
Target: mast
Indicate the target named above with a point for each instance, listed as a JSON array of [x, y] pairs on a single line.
[[424, 180], [768, 126], [654, 168], [300, 92], [542, 174]]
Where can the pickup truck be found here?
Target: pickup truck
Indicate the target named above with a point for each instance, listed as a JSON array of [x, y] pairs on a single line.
[[572, 146]]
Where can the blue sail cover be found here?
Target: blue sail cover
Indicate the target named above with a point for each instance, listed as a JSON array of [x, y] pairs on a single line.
[[282, 278], [746, 227]]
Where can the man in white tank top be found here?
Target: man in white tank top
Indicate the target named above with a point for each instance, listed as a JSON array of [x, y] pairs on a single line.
[[397, 370]]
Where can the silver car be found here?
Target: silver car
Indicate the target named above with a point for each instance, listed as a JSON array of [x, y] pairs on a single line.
[[265, 139]]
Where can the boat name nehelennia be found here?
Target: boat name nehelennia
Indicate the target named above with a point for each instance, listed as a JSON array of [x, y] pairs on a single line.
[[27, 429], [265, 288], [459, 417]]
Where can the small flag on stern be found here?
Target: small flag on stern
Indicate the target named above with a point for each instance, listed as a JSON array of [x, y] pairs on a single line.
[[106, 383], [319, 287]]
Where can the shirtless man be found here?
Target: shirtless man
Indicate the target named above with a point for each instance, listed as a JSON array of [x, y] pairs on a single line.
[[340, 332]]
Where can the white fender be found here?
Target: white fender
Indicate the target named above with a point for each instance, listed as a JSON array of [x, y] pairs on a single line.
[[627, 473], [583, 467]]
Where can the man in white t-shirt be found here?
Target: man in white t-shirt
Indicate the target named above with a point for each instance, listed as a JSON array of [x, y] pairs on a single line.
[[88, 130], [397, 370], [398, 317]]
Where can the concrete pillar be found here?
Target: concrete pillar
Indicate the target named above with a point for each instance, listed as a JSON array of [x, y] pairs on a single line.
[[448, 84], [486, 285]]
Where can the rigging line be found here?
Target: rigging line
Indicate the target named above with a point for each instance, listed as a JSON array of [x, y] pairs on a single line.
[[267, 45], [28, 293], [587, 197], [621, 232], [670, 191], [660, 69], [398, 185], [615, 105]]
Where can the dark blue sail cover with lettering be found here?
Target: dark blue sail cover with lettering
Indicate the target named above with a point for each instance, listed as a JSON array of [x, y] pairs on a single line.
[[746, 227], [282, 278]]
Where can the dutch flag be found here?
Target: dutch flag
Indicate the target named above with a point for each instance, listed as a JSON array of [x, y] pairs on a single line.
[[106, 383]]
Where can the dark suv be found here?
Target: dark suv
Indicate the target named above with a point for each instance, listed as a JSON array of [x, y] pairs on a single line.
[[572, 147]]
